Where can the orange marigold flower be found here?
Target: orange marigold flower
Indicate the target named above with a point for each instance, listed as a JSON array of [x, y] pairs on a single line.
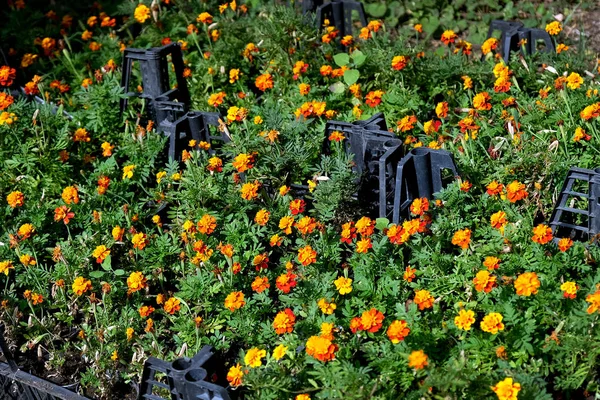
[[527, 284], [15, 199], [484, 281], [569, 290], [262, 217], [285, 282], [399, 63], [594, 300], [284, 322], [336, 136], [234, 301], [321, 348], [25, 231], [506, 389], [448, 37], [286, 223], [249, 190], [141, 13], [498, 220], [306, 255], [494, 188], [348, 233], [492, 323], [264, 82], [140, 240], [216, 99], [419, 206], [491, 263], [100, 253], [145, 311], [515, 191], [481, 101], [207, 224], [297, 206], [69, 195], [260, 284], [5, 100], [205, 18], [371, 320], [441, 110], [373, 98], [462, 238], [417, 359], [260, 261], [235, 375], [306, 225], [365, 226], [136, 281], [7, 75], [171, 306], [407, 123], [542, 234], [591, 111], [489, 45], [409, 274], [398, 331], [363, 245], [423, 299], [565, 244]]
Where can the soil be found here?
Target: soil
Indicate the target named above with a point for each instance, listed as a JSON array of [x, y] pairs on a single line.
[[585, 22]]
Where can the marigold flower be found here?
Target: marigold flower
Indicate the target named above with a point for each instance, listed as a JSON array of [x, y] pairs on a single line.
[[284, 321], [407, 123], [205, 18], [260, 261], [260, 284], [365, 226], [264, 82], [25, 231], [5, 266], [580, 134], [81, 285], [355, 325], [5, 100], [321, 348], [498, 220], [506, 389], [306, 255], [565, 244], [171, 306], [243, 162], [234, 301], [554, 28], [285, 282], [373, 98], [419, 206], [423, 299], [574, 81], [279, 352], [117, 233], [326, 307], [462, 238], [207, 224], [489, 45], [494, 188], [527, 284], [343, 285], [561, 47], [484, 281], [7, 75], [69, 195], [348, 233], [249, 190], [542, 234], [448, 37], [304, 89], [492, 323], [136, 281], [398, 331], [363, 245], [569, 290], [399, 63], [128, 171], [409, 274], [491, 263], [591, 111], [140, 240], [254, 356], [100, 253], [15, 199], [236, 114], [464, 319], [515, 191], [417, 359], [216, 99], [235, 375], [107, 149], [141, 13], [481, 101], [371, 320]]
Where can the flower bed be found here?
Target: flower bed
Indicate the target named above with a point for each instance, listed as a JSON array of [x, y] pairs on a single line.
[[112, 253]]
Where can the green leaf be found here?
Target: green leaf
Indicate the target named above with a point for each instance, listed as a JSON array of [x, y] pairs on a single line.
[[351, 76], [119, 272], [381, 223], [106, 264], [341, 59], [376, 10], [358, 57], [337, 88], [97, 274]]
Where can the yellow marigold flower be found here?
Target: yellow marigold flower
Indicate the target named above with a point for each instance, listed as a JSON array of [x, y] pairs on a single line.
[[286, 223], [15, 199], [464, 319], [542, 234], [489, 45], [481, 101], [417, 359], [160, 176], [423, 299], [569, 289], [574, 80], [141, 13], [561, 47], [171, 306], [216, 99], [140, 240], [100, 253], [467, 82], [81, 285], [258, 120], [492, 323], [506, 389], [399, 63], [307, 256], [554, 28], [235, 375], [234, 75], [254, 356], [25, 231], [205, 18], [484, 282], [69, 195], [117, 233], [279, 352], [136, 281], [363, 245], [302, 396], [249, 190], [5, 266], [527, 284], [321, 348], [343, 285], [129, 332], [326, 306], [234, 301], [128, 171]]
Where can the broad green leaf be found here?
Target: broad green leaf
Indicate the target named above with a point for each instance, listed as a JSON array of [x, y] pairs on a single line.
[[351, 76], [381, 223], [337, 88], [106, 264], [341, 59], [358, 57], [96, 274]]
